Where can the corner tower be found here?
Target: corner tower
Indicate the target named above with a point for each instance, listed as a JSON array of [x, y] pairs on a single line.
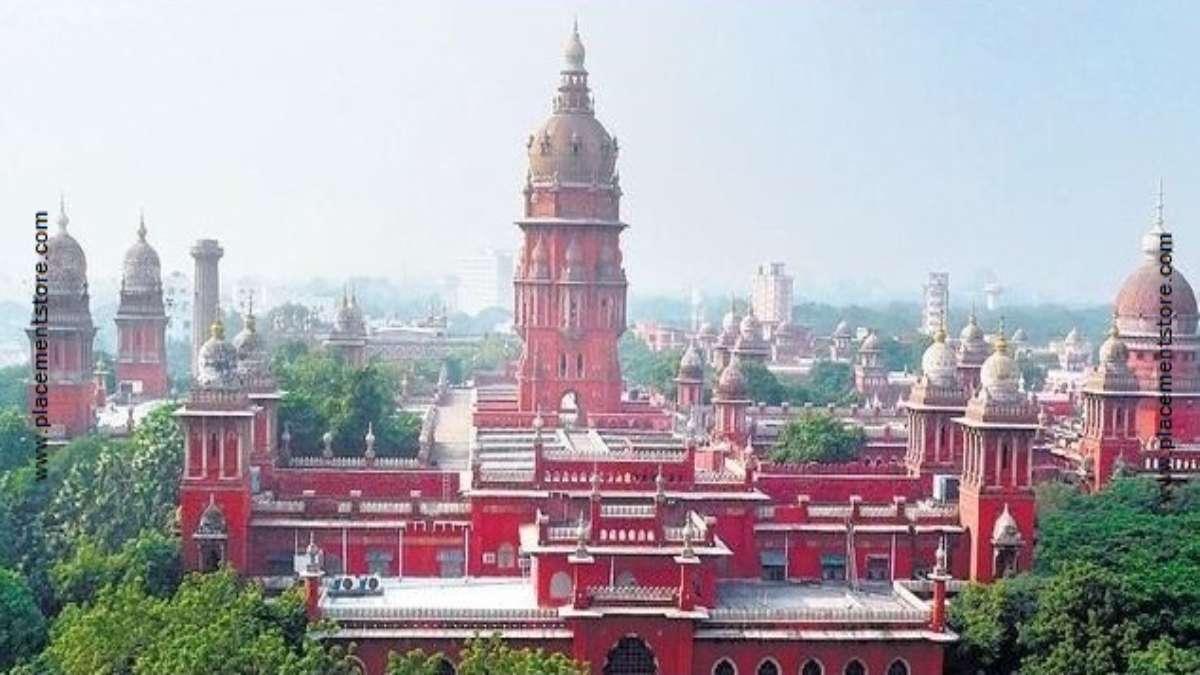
[[569, 287], [142, 322]]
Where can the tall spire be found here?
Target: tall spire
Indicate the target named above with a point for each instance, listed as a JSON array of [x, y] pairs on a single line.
[[1158, 207], [63, 220], [573, 93], [141, 231], [573, 51]]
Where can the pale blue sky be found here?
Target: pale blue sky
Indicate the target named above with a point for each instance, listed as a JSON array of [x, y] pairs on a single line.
[[862, 143]]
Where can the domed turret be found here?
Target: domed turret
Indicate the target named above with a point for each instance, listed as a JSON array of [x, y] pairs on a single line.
[[1113, 350], [972, 346], [571, 146], [691, 367], [938, 363], [842, 330], [67, 275], [349, 319], [872, 343], [218, 360], [1000, 376], [141, 271], [732, 384], [1140, 300]]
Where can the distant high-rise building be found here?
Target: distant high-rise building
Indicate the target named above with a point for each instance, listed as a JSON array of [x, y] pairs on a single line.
[[206, 294], [991, 294], [936, 302], [484, 281], [771, 295]]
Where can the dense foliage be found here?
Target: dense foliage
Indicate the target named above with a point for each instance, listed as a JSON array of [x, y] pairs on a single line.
[[818, 437], [22, 626], [213, 624], [647, 369], [1114, 589], [487, 656], [325, 394], [12, 386]]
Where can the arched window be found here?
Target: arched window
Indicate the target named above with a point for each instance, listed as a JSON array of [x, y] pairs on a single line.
[[812, 667], [631, 656], [724, 667], [560, 586], [768, 667], [898, 667], [855, 667], [444, 667], [506, 556]]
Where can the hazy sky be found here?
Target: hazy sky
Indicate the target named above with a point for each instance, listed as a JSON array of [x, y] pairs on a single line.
[[861, 143]]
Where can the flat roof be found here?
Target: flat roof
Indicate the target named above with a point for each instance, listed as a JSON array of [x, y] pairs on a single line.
[[485, 595]]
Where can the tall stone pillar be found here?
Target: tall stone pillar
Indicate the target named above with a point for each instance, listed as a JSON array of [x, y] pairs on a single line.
[[206, 293]]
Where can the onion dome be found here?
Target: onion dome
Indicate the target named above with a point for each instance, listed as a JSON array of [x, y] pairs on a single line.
[[349, 318], [1019, 336], [68, 265], [939, 363], [1000, 375], [750, 329], [1139, 300], [1006, 532], [1113, 351], [872, 343], [731, 386], [141, 271], [218, 360], [972, 345], [571, 146], [842, 330], [691, 368]]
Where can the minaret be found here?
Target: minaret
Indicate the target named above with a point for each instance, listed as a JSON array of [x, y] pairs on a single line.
[[996, 504], [1110, 397], [870, 374], [689, 381], [935, 443], [142, 323], [207, 292], [570, 285], [62, 392]]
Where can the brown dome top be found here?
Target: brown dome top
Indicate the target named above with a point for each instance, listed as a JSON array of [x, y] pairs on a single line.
[[1140, 299]]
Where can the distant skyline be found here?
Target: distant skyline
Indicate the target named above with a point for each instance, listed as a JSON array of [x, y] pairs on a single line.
[[863, 144]]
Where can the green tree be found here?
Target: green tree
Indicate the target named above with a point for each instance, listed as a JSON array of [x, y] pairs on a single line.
[[1084, 623], [1163, 657], [415, 662], [986, 617], [18, 442], [324, 394], [150, 561], [12, 386], [818, 437], [214, 624], [22, 626], [831, 382], [762, 386], [644, 368]]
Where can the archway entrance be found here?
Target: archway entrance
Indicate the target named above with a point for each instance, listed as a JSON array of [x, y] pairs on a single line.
[[631, 656], [569, 411]]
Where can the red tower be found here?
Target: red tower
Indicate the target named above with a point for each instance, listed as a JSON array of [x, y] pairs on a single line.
[[996, 500], [972, 351], [1109, 404], [569, 288], [729, 405], [689, 382], [870, 374], [214, 495], [62, 392], [935, 442], [142, 323]]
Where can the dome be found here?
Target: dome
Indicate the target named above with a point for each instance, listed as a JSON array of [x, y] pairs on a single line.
[[938, 363], [690, 365], [247, 342], [1114, 351], [1019, 336], [732, 383], [217, 360], [971, 332], [842, 329], [750, 329], [68, 265], [141, 271], [1139, 300], [707, 330], [1000, 375], [872, 343], [729, 323], [349, 319], [1073, 338]]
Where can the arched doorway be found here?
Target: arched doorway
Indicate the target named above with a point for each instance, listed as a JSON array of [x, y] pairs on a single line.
[[631, 656], [569, 411]]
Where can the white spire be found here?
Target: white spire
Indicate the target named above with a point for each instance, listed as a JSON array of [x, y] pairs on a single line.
[[63, 220]]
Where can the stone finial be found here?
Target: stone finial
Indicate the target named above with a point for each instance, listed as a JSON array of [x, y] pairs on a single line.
[[689, 533], [940, 565], [327, 439], [287, 437], [660, 485], [313, 564], [370, 439], [581, 538]]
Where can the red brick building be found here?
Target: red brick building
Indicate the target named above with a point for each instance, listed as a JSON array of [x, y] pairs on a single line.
[[142, 323]]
